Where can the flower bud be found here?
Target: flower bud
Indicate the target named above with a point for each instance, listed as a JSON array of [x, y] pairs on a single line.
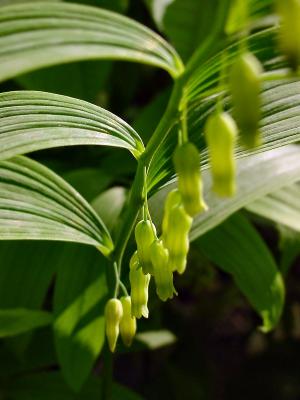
[[245, 81], [187, 165], [113, 314], [289, 35], [145, 234], [176, 238], [128, 323], [173, 198], [162, 273], [221, 134], [139, 283]]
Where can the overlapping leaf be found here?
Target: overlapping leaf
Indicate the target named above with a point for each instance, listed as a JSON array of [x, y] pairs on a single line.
[[36, 120], [236, 247], [282, 206], [39, 34], [37, 204]]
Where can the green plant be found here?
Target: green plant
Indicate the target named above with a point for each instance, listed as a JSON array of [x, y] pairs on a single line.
[[38, 204]]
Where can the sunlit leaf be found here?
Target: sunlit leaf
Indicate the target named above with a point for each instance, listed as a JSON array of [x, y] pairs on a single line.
[[37, 120], [37, 204], [35, 35]]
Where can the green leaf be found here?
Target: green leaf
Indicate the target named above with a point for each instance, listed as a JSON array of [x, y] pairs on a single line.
[[79, 300], [20, 320], [37, 204], [35, 35], [26, 271], [289, 245], [281, 206], [109, 204], [187, 24], [83, 80], [257, 175], [236, 247], [36, 120]]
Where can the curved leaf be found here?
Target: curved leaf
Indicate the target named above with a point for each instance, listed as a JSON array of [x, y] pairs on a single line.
[[37, 204], [36, 120], [236, 247], [40, 34], [281, 206]]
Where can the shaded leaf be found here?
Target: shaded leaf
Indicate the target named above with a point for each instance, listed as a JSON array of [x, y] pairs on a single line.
[[20, 320], [37, 204], [36, 120], [236, 247], [79, 300], [35, 35]]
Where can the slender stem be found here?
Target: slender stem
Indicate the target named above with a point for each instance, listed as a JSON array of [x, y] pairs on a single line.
[[107, 379]]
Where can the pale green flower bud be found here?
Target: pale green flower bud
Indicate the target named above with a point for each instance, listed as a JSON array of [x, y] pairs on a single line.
[[139, 283], [145, 234], [128, 323], [289, 35], [113, 314], [187, 166], [221, 135], [245, 81], [163, 275]]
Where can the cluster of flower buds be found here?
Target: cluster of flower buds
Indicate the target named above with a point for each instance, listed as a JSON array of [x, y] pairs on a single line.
[[118, 320]]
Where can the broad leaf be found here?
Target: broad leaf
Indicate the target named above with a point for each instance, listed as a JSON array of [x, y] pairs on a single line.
[[236, 247], [36, 120], [281, 206], [79, 299], [37, 204], [289, 245], [26, 271], [35, 35], [20, 320], [257, 176]]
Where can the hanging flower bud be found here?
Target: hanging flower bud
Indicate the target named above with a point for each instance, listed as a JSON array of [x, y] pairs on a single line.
[[187, 165], [113, 314], [176, 238], [245, 80], [145, 234], [173, 198], [139, 284], [289, 35], [128, 323], [162, 273], [221, 134]]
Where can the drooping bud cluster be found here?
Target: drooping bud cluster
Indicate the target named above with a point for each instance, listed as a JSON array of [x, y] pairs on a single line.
[[119, 320], [145, 234]]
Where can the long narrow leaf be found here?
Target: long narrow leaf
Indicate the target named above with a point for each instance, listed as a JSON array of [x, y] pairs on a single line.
[[37, 204], [39, 34], [36, 120]]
